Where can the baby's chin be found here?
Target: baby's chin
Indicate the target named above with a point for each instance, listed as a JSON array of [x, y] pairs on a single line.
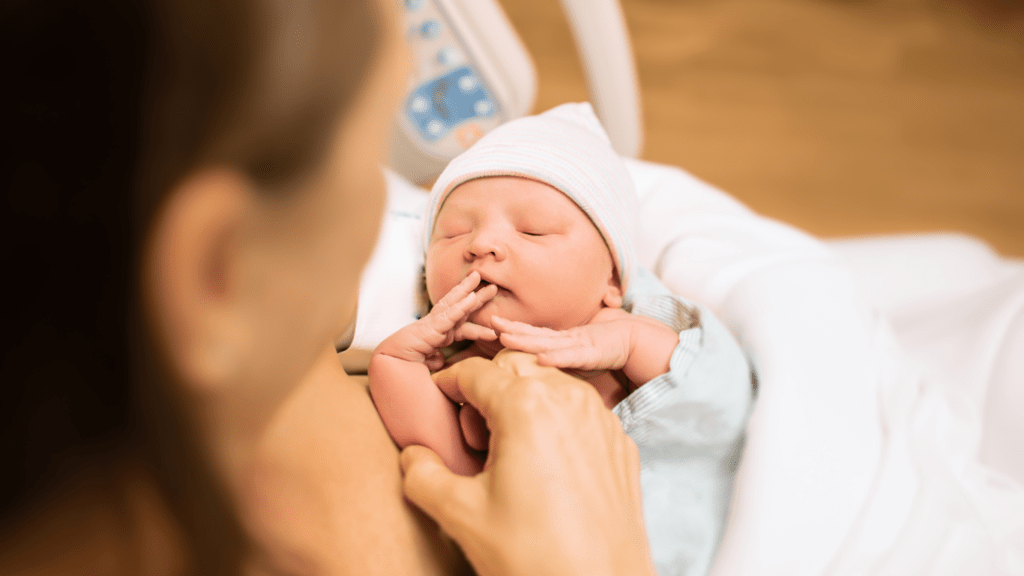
[[490, 309], [483, 316]]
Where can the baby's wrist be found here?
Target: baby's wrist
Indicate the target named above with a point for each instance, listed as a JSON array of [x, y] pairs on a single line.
[[651, 345]]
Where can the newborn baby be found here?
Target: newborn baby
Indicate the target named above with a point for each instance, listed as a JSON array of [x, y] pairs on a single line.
[[528, 240]]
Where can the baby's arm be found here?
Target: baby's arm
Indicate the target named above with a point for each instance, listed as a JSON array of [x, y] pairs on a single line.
[[412, 408], [613, 340]]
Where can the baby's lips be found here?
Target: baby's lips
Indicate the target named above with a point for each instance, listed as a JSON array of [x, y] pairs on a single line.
[[484, 282], [488, 279], [490, 294]]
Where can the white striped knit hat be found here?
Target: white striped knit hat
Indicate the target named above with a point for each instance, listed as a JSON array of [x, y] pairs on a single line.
[[567, 149]]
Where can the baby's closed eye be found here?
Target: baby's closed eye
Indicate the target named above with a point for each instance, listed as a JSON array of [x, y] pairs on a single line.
[[540, 223], [452, 230], [539, 227]]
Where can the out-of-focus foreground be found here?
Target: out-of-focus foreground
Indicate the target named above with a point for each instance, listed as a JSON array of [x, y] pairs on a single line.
[[843, 117]]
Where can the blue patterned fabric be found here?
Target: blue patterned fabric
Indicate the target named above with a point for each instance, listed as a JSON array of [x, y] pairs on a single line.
[[689, 427]]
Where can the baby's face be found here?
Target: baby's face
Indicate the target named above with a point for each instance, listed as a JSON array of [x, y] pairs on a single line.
[[550, 263]]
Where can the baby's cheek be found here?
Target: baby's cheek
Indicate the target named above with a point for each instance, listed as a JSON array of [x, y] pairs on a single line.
[[439, 284], [438, 278]]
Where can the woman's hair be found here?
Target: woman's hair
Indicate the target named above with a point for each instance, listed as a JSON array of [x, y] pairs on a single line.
[[106, 106]]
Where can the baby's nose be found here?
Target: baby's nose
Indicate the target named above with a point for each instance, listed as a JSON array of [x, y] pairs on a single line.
[[487, 243]]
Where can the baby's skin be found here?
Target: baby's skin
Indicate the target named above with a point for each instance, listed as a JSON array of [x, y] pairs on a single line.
[[491, 256]]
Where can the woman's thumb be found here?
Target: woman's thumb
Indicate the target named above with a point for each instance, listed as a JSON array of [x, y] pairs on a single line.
[[453, 501]]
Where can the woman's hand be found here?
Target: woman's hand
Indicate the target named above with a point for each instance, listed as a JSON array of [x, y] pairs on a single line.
[[560, 492]]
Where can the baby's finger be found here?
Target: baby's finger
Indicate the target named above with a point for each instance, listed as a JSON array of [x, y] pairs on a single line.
[[456, 295], [580, 358], [534, 344], [449, 312], [472, 302], [467, 287], [560, 349], [461, 290], [434, 361], [572, 357], [446, 315], [471, 331], [484, 294], [511, 326]]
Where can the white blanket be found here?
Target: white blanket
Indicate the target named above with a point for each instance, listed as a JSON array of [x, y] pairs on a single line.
[[875, 358], [861, 455]]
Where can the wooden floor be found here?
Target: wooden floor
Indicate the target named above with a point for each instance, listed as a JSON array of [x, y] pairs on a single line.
[[844, 117]]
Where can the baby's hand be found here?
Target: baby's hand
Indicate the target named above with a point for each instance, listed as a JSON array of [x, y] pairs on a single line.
[[604, 344], [447, 322]]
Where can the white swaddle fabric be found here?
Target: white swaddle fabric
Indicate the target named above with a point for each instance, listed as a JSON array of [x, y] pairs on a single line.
[[858, 461], [389, 290]]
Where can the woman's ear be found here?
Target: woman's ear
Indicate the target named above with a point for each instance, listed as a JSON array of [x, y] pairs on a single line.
[[613, 292], [191, 268]]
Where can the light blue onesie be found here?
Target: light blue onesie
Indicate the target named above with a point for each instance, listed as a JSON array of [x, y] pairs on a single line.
[[688, 424]]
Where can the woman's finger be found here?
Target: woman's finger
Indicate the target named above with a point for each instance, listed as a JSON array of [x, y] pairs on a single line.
[[561, 483], [486, 383], [520, 363], [467, 381], [474, 427], [453, 501]]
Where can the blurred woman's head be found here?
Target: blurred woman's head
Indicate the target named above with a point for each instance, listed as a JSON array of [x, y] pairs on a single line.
[[191, 188]]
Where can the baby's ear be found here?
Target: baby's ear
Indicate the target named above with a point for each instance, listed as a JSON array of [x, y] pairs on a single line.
[[613, 293]]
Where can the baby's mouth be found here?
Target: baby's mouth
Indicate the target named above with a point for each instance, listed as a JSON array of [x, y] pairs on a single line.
[[484, 284]]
